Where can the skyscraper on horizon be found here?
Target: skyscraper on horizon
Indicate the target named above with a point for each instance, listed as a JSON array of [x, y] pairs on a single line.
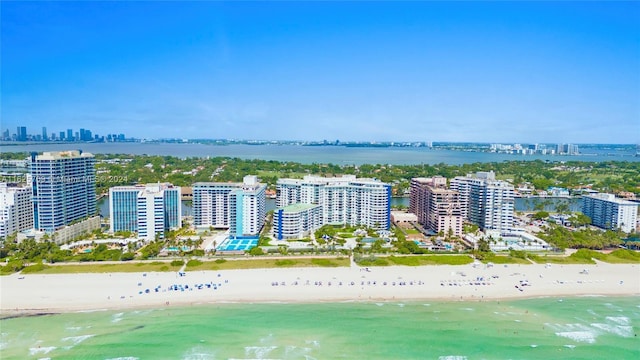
[[21, 134], [64, 188]]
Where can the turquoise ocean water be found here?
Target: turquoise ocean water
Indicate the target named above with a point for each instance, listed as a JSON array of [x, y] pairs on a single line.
[[545, 328]]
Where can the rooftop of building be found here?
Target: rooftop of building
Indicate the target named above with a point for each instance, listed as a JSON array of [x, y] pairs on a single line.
[[217, 184], [611, 198], [437, 190], [337, 180], [11, 187], [149, 187], [299, 207], [59, 155]]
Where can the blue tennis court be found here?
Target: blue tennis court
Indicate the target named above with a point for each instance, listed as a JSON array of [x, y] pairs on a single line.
[[238, 244]]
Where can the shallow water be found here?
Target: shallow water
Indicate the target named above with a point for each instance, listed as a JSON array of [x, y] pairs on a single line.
[[571, 328]]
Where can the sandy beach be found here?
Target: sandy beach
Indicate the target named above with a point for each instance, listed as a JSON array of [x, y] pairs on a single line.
[[25, 294]]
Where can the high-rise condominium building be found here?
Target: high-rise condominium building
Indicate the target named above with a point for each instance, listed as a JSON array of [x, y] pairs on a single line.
[[485, 201], [150, 210], [344, 200], [296, 221], [64, 188], [436, 207], [241, 207], [16, 209], [608, 212]]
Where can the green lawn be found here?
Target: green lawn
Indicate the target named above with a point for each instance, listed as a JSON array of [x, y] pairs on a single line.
[[560, 260], [505, 259], [270, 263], [584, 256], [412, 231], [345, 235], [622, 256], [419, 260], [102, 268], [219, 264]]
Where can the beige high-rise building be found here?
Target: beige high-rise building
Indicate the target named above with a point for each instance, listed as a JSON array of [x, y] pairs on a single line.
[[436, 207]]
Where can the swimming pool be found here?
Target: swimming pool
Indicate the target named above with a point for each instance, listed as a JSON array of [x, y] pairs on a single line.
[[238, 244]]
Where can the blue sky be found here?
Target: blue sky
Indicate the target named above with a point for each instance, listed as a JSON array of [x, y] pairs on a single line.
[[372, 71]]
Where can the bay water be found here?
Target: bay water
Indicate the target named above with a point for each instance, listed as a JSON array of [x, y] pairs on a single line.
[[542, 328], [338, 155]]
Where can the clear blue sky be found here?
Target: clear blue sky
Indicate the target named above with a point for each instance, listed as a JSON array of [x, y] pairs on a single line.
[[415, 71]]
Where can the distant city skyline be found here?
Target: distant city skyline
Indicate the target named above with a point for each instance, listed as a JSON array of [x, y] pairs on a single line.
[[495, 72]]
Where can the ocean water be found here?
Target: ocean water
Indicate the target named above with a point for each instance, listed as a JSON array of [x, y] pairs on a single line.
[[544, 328]]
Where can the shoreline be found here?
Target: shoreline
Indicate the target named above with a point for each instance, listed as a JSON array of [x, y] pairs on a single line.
[[37, 295], [24, 313]]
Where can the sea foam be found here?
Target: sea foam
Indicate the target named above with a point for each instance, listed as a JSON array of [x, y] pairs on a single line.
[[77, 339], [620, 330], [621, 320], [259, 352], [43, 350], [579, 336], [576, 332]]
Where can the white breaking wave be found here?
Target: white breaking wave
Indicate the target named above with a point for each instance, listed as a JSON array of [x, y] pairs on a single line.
[[294, 352], [579, 336], [621, 320], [266, 339], [576, 332], [117, 317], [452, 357], [199, 356], [315, 343], [620, 330], [77, 339], [199, 353], [43, 350], [259, 352]]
